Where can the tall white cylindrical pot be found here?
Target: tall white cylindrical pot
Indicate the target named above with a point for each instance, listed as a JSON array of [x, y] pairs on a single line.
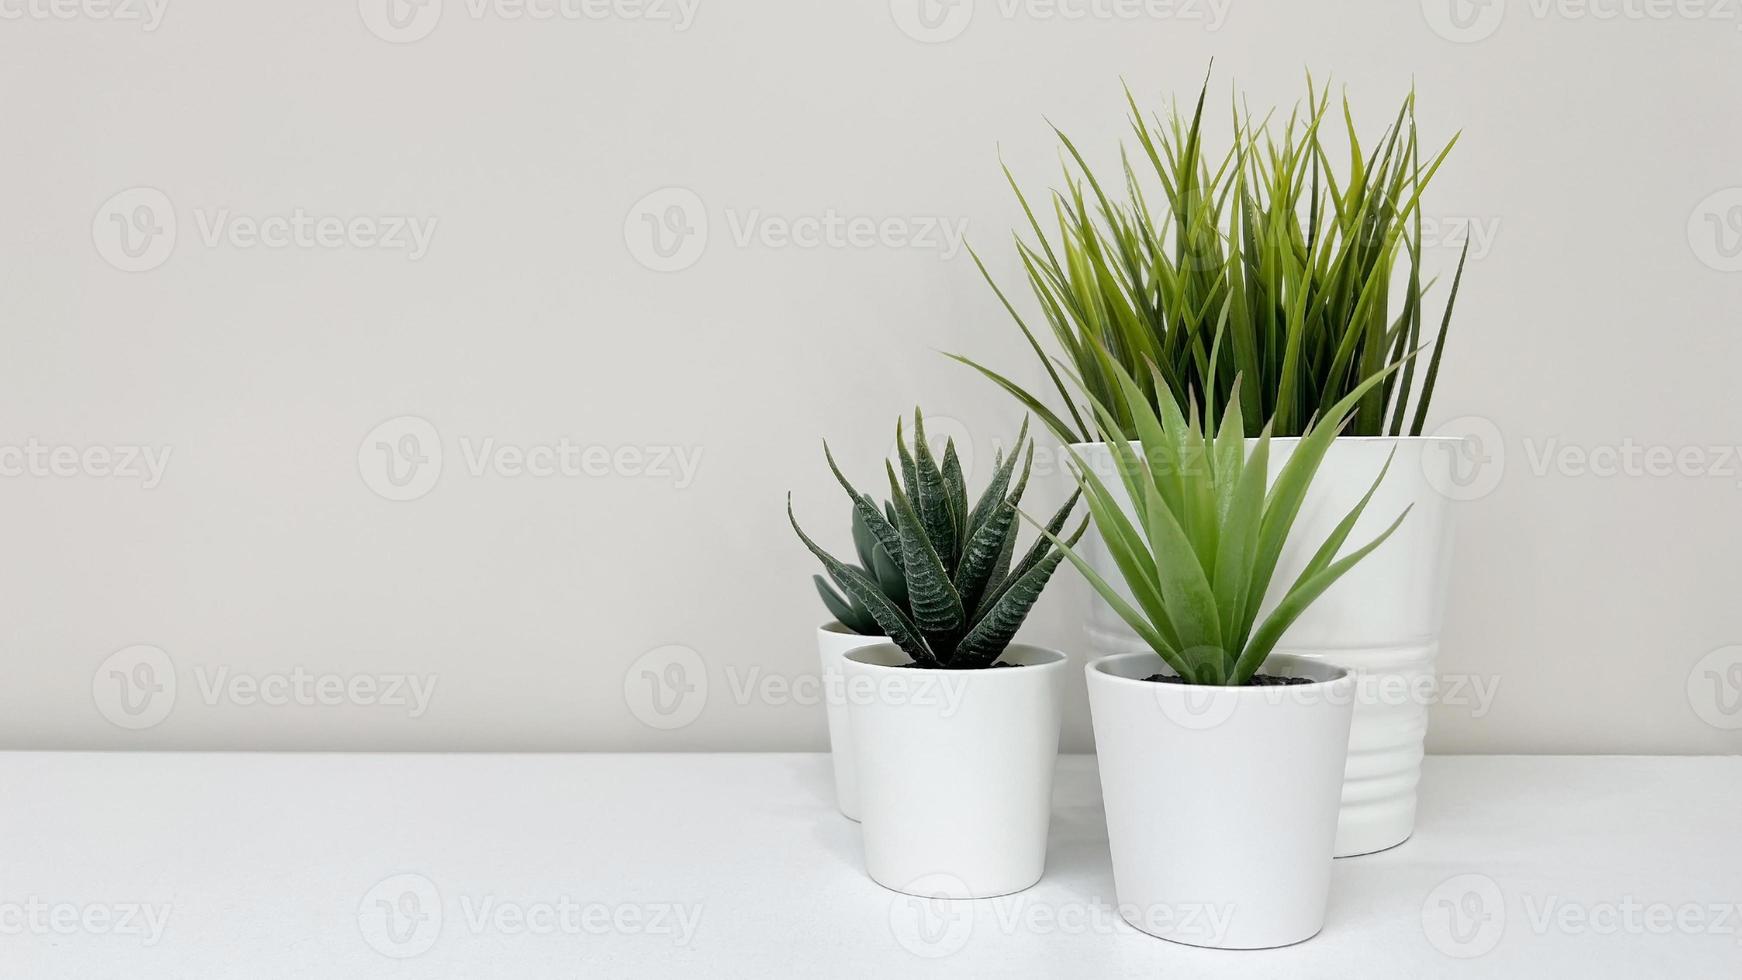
[[1382, 620], [1221, 801], [833, 643], [955, 769]]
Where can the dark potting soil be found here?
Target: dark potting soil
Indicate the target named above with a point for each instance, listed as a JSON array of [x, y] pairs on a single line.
[[911, 663], [1258, 680]]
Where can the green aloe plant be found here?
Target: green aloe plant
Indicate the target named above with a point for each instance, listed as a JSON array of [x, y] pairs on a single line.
[[1204, 536], [1268, 261], [936, 576]]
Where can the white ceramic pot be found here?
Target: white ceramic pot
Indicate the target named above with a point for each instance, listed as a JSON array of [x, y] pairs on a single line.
[[955, 769], [1381, 620], [833, 643], [1221, 802]]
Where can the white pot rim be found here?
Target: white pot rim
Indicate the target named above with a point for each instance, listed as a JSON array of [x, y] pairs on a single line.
[[1052, 660], [1099, 674], [1283, 440]]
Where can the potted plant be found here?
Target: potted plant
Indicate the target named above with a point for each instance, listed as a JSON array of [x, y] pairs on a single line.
[[954, 729], [853, 627], [1273, 262], [1221, 760]]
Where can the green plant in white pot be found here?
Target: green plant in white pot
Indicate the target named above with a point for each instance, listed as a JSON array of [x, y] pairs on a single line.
[[852, 627], [1296, 265], [1221, 760], [952, 729]]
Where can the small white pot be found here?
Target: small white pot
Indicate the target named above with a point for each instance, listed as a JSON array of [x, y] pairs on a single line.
[[1221, 801], [1381, 620], [955, 769], [833, 642]]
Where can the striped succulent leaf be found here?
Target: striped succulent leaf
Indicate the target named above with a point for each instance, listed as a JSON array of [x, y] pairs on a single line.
[[862, 589], [865, 510], [934, 575], [933, 498], [847, 612], [1037, 555], [937, 606], [1002, 469], [997, 627]]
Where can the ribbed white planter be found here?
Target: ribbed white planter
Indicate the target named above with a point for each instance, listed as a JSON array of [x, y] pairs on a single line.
[[834, 641], [1381, 620], [955, 769], [1221, 801]]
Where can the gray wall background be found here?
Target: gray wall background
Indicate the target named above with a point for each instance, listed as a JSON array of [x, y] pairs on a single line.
[[262, 588]]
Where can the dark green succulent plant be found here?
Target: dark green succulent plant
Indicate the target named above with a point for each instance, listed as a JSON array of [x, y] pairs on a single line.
[[874, 563], [936, 576]]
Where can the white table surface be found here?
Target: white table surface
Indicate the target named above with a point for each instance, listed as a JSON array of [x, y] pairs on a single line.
[[287, 865]]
